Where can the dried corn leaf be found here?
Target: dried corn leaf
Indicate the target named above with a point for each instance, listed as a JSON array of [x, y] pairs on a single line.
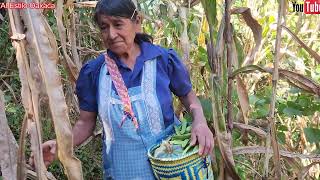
[[8, 145], [184, 39], [69, 3], [46, 48], [247, 69], [224, 141], [223, 137], [305, 170], [33, 176], [30, 101], [10, 89], [190, 3], [256, 130], [294, 78], [34, 127], [228, 38], [294, 163], [21, 164], [219, 55], [241, 90], [73, 38], [298, 80], [26, 101], [37, 150], [255, 28], [71, 66], [314, 54], [84, 4], [262, 150], [243, 99], [9, 149], [301, 81]]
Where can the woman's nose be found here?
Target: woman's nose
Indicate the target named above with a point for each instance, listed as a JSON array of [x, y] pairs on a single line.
[[112, 33]]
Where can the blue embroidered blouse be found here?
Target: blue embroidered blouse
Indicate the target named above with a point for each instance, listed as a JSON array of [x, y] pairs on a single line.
[[172, 76]]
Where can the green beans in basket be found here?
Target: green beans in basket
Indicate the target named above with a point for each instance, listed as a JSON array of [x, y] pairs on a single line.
[[175, 158]]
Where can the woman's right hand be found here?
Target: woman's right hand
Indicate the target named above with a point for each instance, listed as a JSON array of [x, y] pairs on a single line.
[[81, 131], [49, 150]]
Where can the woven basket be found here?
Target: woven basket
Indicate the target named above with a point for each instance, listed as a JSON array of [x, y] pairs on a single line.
[[190, 166]]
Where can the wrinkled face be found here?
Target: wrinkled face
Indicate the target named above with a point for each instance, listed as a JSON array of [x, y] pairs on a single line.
[[118, 33]]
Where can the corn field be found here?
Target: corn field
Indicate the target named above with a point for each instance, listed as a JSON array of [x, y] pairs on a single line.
[[255, 66]]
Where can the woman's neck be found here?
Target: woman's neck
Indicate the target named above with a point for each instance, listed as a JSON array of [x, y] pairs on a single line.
[[129, 57]]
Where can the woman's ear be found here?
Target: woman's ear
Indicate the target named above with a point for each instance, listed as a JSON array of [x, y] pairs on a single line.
[[138, 22], [138, 19]]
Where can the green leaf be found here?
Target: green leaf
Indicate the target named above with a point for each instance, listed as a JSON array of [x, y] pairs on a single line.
[[304, 101], [289, 111], [236, 136], [281, 137], [207, 108], [253, 99], [294, 105], [263, 111], [187, 117], [183, 127], [11, 110], [163, 9], [177, 129], [261, 102], [294, 90], [240, 50], [312, 135], [272, 19], [281, 107], [210, 8], [282, 128]]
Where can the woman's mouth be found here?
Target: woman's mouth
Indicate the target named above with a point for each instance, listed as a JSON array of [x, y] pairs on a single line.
[[116, 43]]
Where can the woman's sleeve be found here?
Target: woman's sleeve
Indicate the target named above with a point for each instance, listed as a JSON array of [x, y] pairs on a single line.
[[86, 90], [180, 83]]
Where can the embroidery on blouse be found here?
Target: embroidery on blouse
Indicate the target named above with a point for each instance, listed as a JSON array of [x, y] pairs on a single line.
[[104, 94], [155, 117]]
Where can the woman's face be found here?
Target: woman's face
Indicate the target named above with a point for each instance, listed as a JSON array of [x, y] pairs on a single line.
[[118, 33]]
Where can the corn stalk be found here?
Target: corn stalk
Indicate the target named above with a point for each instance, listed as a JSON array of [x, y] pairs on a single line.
[[30, 100], [47, 52], [72, 67], [228, 40], [272, 118], [43, 52], [218, 74], [184, 39]]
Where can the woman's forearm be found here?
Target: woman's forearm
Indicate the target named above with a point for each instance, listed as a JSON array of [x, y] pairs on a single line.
[[84, 127], [193, 105]]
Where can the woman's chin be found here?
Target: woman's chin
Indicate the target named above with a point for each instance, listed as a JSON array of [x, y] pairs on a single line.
[[117, 51]]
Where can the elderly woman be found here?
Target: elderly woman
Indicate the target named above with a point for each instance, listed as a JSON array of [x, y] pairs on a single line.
[[130, 87]]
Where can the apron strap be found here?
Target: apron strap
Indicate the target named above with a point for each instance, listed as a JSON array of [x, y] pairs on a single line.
[[121, 89]]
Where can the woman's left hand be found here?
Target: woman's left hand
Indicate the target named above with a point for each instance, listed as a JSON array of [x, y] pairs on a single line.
[[201, 133]]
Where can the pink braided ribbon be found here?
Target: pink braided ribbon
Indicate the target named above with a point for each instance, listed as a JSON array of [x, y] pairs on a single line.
[[121, 89]]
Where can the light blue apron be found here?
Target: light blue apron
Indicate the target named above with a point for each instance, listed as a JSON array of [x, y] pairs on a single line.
[[125, 148]]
